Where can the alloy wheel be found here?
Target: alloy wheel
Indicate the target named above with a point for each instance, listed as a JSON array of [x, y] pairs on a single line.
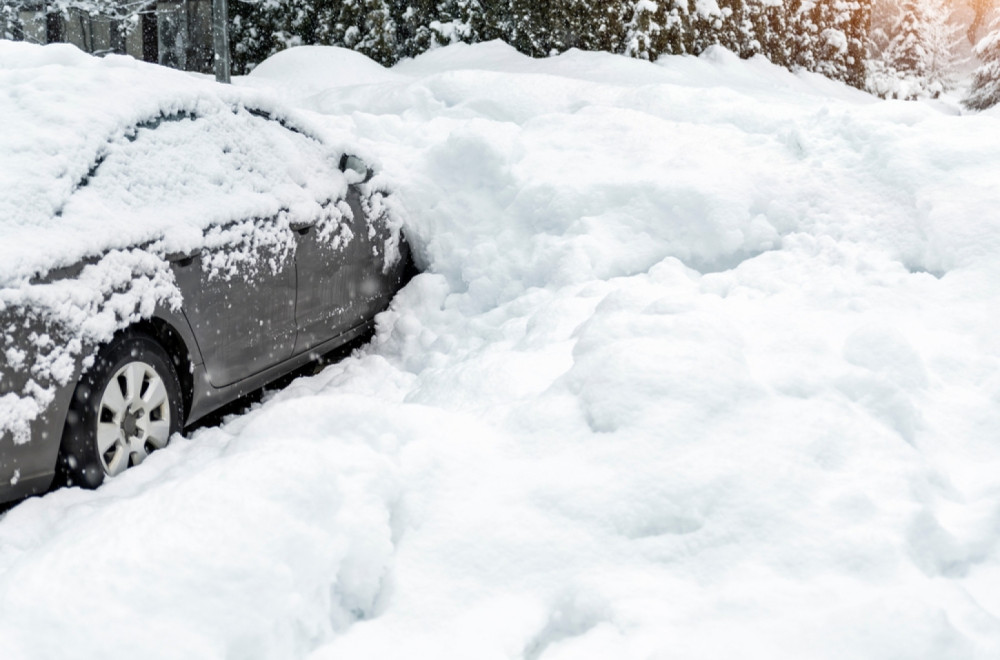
[[133, 417]]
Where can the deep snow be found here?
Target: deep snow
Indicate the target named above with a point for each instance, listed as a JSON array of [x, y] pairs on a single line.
[[703, 365]]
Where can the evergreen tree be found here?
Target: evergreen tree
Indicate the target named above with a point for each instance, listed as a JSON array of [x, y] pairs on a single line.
[[348, 23], [907, 52], [461, 21], [368, 27], [919, 56], [830, 37], [702, 27], [885, 17], [567, 24], [252, 25], [644, 32], [415, 21], [587, 25], [531, 32], [985, 91], [943, 39], [735, 28], [488, 19], [774, 32], [378, 32], [8, 21], [606, 21], [261, 28]]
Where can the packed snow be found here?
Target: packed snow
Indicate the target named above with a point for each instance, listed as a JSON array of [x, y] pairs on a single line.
[[703, 364]]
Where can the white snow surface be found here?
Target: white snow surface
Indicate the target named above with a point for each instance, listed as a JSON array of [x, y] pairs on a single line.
[[704, 364]]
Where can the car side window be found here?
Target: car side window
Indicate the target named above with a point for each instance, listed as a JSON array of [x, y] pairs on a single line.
[[178, 177]]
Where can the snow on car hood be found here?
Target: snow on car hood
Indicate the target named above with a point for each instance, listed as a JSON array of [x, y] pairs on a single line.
[[109, 153]]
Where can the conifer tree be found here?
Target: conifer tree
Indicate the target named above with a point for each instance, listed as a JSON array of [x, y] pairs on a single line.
[[828, 36], [414, 20], [566, 24], [348, 23], [907, 51], [943, 40], [488, 19], [367, 26], [378, 32], [586, 25], [8, 21], [702, 26], [985, 91], [831, 38], [884, 18], [774, 32], [257, 30], [643, 32], [605, 23], [458, 21], [531, 31], [735, 28], [919, 57]]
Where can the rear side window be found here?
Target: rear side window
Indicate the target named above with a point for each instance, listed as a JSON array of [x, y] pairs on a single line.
[[176, 178]]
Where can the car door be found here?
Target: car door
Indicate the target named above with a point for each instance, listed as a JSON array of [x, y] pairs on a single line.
[[343, 280], [330, 281], [241, 311]]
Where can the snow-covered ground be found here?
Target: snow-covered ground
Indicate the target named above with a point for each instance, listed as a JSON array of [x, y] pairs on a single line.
[[704, 365]]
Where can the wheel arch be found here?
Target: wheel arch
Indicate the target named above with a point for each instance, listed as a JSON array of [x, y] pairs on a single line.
[[173, 341]]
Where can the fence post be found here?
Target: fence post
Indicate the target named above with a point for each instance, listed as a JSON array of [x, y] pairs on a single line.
[[220, 39]]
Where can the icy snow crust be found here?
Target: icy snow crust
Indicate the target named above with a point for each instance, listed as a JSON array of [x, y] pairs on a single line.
[[704, 365]]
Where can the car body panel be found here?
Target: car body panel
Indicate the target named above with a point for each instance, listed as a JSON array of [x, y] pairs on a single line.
[[27, 468], [327, 271], [233, 343]]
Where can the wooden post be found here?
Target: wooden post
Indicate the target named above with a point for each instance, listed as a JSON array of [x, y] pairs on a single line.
[[220, 39]]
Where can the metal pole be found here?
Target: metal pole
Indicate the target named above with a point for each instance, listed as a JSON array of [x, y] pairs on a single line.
[[220, 39]]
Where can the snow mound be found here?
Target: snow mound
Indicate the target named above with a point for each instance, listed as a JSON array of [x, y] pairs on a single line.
[[703, 365], [310, 69]]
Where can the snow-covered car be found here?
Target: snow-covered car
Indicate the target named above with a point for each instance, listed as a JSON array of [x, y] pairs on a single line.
[[167, 244]]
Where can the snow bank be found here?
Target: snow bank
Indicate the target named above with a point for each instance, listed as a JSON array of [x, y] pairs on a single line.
[[703, 365]]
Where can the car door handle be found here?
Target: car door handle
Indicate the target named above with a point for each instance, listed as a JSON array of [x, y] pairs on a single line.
[[302, 227], [183, 259]]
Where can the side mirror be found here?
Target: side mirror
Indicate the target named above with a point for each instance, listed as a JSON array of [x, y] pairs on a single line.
[[355, 164]]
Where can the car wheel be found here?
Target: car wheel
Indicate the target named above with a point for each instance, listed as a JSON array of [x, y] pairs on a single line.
[[125, 407]]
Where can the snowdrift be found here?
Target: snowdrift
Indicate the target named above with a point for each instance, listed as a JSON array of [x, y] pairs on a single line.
[[703, 364]]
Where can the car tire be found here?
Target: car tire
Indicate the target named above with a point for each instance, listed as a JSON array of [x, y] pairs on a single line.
[[125, 406]]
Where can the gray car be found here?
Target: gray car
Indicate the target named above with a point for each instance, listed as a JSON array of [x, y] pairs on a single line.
[[230, 246]]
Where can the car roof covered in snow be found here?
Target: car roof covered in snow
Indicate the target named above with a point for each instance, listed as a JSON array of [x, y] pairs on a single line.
[[109, 153]]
